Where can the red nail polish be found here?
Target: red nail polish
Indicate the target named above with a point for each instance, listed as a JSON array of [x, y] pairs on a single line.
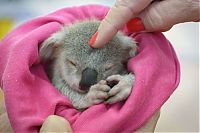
[[93, 38], [135, 25]]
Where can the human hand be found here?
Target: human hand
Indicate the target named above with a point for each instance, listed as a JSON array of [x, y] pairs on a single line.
[[144, 15]]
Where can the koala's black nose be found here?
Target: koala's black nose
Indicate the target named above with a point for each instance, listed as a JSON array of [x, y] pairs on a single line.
[[89, 77]]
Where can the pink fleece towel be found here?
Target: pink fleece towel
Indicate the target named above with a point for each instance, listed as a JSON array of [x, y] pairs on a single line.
[[30, 97]]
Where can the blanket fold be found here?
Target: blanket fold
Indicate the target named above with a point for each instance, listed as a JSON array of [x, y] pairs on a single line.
[[30, 97]]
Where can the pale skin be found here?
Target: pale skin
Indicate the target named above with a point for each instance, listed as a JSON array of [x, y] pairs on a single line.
[[156, 15]]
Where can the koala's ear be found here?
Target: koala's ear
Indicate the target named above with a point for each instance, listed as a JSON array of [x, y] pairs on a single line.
[[50, 46], [128, 44]]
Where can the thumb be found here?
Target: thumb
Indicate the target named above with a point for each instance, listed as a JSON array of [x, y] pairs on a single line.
[[162, 15]]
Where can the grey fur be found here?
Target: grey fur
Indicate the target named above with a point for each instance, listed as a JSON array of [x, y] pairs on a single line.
[[69, 54]]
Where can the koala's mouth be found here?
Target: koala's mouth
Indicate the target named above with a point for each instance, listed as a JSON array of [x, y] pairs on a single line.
[[84, 89]]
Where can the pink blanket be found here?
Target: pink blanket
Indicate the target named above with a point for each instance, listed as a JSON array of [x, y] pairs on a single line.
[[30, 97]]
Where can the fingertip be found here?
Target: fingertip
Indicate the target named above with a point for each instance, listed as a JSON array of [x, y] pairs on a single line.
[[54, 123], [94, 43], [106, 32], [93, 39]]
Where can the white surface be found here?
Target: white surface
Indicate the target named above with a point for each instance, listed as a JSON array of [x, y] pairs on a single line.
[[180, 113]]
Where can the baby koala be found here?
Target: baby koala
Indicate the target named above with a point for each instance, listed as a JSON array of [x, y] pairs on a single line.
[[88, 76]]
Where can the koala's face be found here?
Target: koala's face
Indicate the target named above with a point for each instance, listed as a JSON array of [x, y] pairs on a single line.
[[81, 65]]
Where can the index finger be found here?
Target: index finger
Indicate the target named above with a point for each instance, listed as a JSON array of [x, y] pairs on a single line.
[[117, 17]]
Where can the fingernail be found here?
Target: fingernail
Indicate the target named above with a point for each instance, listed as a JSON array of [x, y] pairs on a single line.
[[93, 39], [135, 25]]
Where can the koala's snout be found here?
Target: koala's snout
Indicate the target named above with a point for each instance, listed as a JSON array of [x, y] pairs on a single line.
[[89, 77]]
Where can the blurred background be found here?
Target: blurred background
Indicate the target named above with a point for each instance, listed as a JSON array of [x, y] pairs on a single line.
[[181, 112]]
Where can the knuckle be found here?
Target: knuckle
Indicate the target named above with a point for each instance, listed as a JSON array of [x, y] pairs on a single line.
[[154, 19], [125, 4]]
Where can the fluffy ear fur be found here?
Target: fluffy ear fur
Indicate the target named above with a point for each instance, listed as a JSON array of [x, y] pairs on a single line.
[[128, 44], [50, 46]]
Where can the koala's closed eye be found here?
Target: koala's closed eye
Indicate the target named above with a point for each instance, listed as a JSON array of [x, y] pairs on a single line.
[[72, 62], [109, 67]]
